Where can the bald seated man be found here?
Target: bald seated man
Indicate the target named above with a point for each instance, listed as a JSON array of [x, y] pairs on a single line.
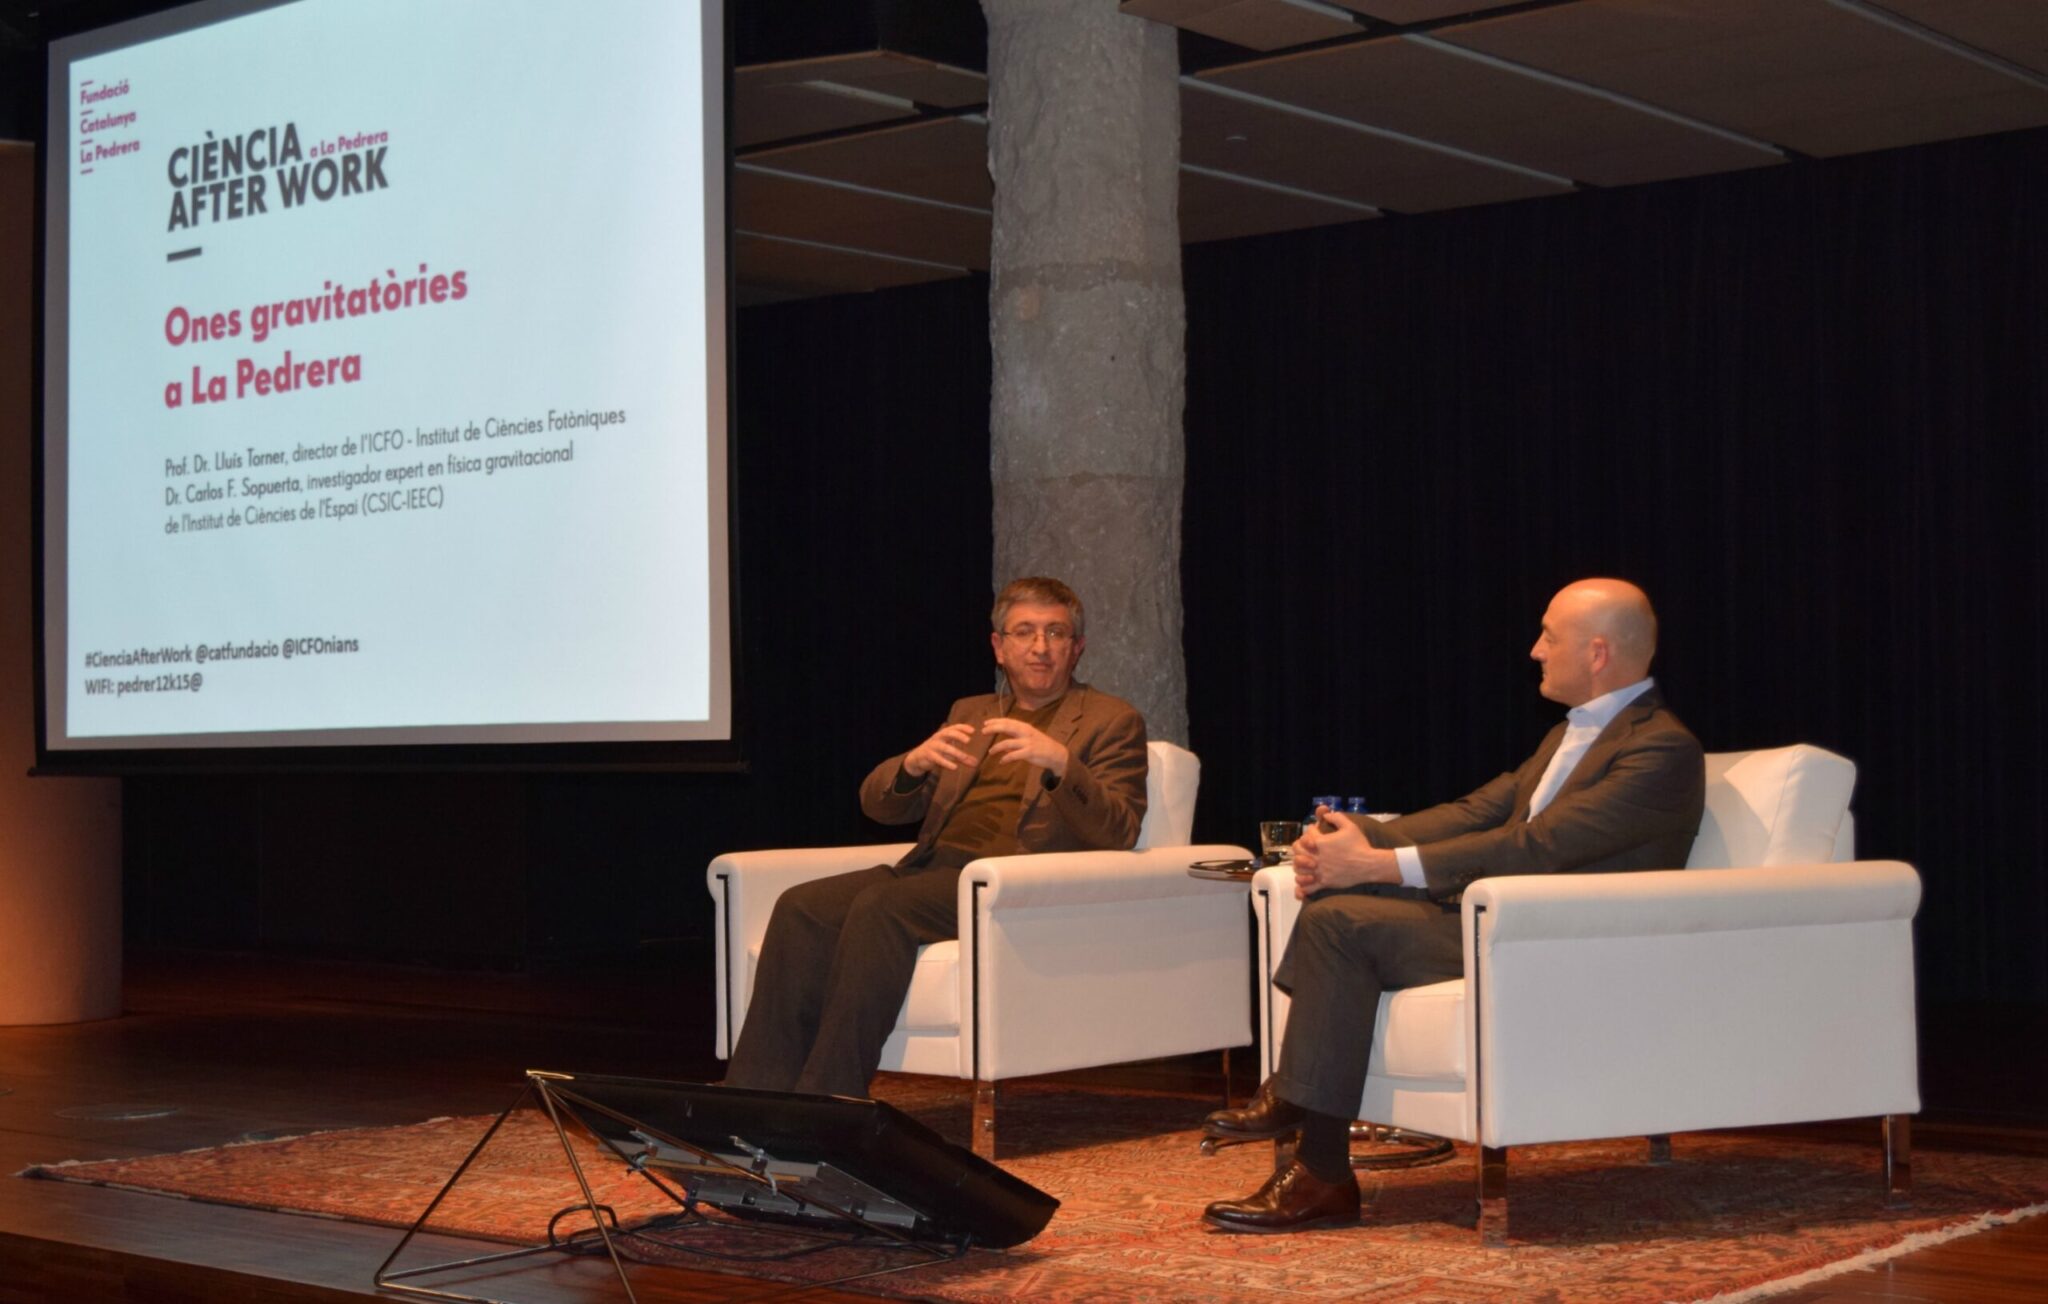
[[1619, 785]]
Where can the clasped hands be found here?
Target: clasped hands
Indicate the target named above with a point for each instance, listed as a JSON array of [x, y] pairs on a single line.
[[1016, 741], [1333, 853]]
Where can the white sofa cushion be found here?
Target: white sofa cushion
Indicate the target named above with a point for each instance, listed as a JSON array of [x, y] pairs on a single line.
[[1779, 806], [1172, 777], [1424, 1033], [933, 1004]]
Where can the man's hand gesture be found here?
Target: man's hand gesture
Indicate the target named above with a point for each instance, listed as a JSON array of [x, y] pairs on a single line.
[[1018, 741], [944, 750]]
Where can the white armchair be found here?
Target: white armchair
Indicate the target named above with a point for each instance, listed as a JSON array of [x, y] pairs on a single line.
[[1777, 988], [1064, 960]]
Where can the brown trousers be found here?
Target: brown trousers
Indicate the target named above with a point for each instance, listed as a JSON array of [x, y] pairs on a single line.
[[835, 964]]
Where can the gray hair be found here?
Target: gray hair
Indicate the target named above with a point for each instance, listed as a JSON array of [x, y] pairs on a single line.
[[1041, 589]]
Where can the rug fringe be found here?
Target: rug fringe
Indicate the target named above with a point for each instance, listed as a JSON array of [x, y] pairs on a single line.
[[1983, 1222]]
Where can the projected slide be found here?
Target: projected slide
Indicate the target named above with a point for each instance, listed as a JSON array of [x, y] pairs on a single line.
[[385, 383]]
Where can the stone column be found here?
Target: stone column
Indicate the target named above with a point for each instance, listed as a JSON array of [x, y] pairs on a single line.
[[60, 839], [1087, 325]]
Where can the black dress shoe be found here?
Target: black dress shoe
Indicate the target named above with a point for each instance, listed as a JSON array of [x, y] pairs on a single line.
[[1266, 1117], [1292, 1199]]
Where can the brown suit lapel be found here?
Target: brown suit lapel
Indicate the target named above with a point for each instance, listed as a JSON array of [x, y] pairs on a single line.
[[1072, 707], [1066, 722]]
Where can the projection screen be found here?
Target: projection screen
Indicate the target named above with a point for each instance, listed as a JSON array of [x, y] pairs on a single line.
[[384, 384]]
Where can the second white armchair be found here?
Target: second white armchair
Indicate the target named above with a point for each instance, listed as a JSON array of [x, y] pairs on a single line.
[[1769, 982]]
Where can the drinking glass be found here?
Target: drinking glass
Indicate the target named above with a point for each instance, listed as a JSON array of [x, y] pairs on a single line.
[[1276, 839]]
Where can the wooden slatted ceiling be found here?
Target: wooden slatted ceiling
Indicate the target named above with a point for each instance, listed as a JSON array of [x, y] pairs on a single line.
[[793, 207], [870, 169], [1253, 24], [1803, 73], [1433, 91], [943, 159], [784, 101], [1223, 206], [1412, 11], [1268, 143], [2012, 29]]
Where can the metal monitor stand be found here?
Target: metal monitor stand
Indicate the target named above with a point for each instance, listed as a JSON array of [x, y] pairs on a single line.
[[551, 1092]]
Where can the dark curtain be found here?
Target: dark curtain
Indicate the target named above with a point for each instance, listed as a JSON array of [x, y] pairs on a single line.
[[1805, 407]]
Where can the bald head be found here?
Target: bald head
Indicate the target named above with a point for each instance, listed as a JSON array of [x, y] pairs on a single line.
[[1598, 635]]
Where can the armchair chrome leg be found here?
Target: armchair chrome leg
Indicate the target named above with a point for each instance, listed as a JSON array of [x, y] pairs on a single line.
[[1898, 1160], [985, 1119], [1493, 1196], [1660, 1148]]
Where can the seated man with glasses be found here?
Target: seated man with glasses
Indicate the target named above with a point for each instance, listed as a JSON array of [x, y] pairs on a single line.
[[1047, 764]]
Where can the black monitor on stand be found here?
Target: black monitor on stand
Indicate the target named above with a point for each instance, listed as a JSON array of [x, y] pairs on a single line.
[[833, 1170]]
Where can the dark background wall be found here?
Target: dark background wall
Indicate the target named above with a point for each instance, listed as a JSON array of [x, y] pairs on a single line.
[[1804, 406]]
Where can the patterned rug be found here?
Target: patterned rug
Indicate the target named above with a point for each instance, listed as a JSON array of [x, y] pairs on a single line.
[[1736, 1217]]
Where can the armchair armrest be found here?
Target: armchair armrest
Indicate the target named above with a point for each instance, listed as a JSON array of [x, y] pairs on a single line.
[[744, 886], [1665, 1001], [1094, 877], [1274, 910], [1076, 958], [1273, 889], [1649, 903], [771, 873]]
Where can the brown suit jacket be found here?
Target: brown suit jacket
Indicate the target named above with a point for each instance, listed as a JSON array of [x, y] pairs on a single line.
[[1632, 802], [1098, 806]]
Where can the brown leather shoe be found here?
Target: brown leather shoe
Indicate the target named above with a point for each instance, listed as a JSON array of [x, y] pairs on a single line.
[[1292, 1199], [1266, 1117]]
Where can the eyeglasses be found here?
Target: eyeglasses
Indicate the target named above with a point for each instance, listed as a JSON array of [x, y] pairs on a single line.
[[1026, 635]]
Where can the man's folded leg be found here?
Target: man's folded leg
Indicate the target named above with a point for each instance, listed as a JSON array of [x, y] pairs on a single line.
[[1347, 948], [790, 978], [871, 972]]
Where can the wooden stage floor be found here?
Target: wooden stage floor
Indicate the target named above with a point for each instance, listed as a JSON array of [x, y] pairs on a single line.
[[242, 1047]]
